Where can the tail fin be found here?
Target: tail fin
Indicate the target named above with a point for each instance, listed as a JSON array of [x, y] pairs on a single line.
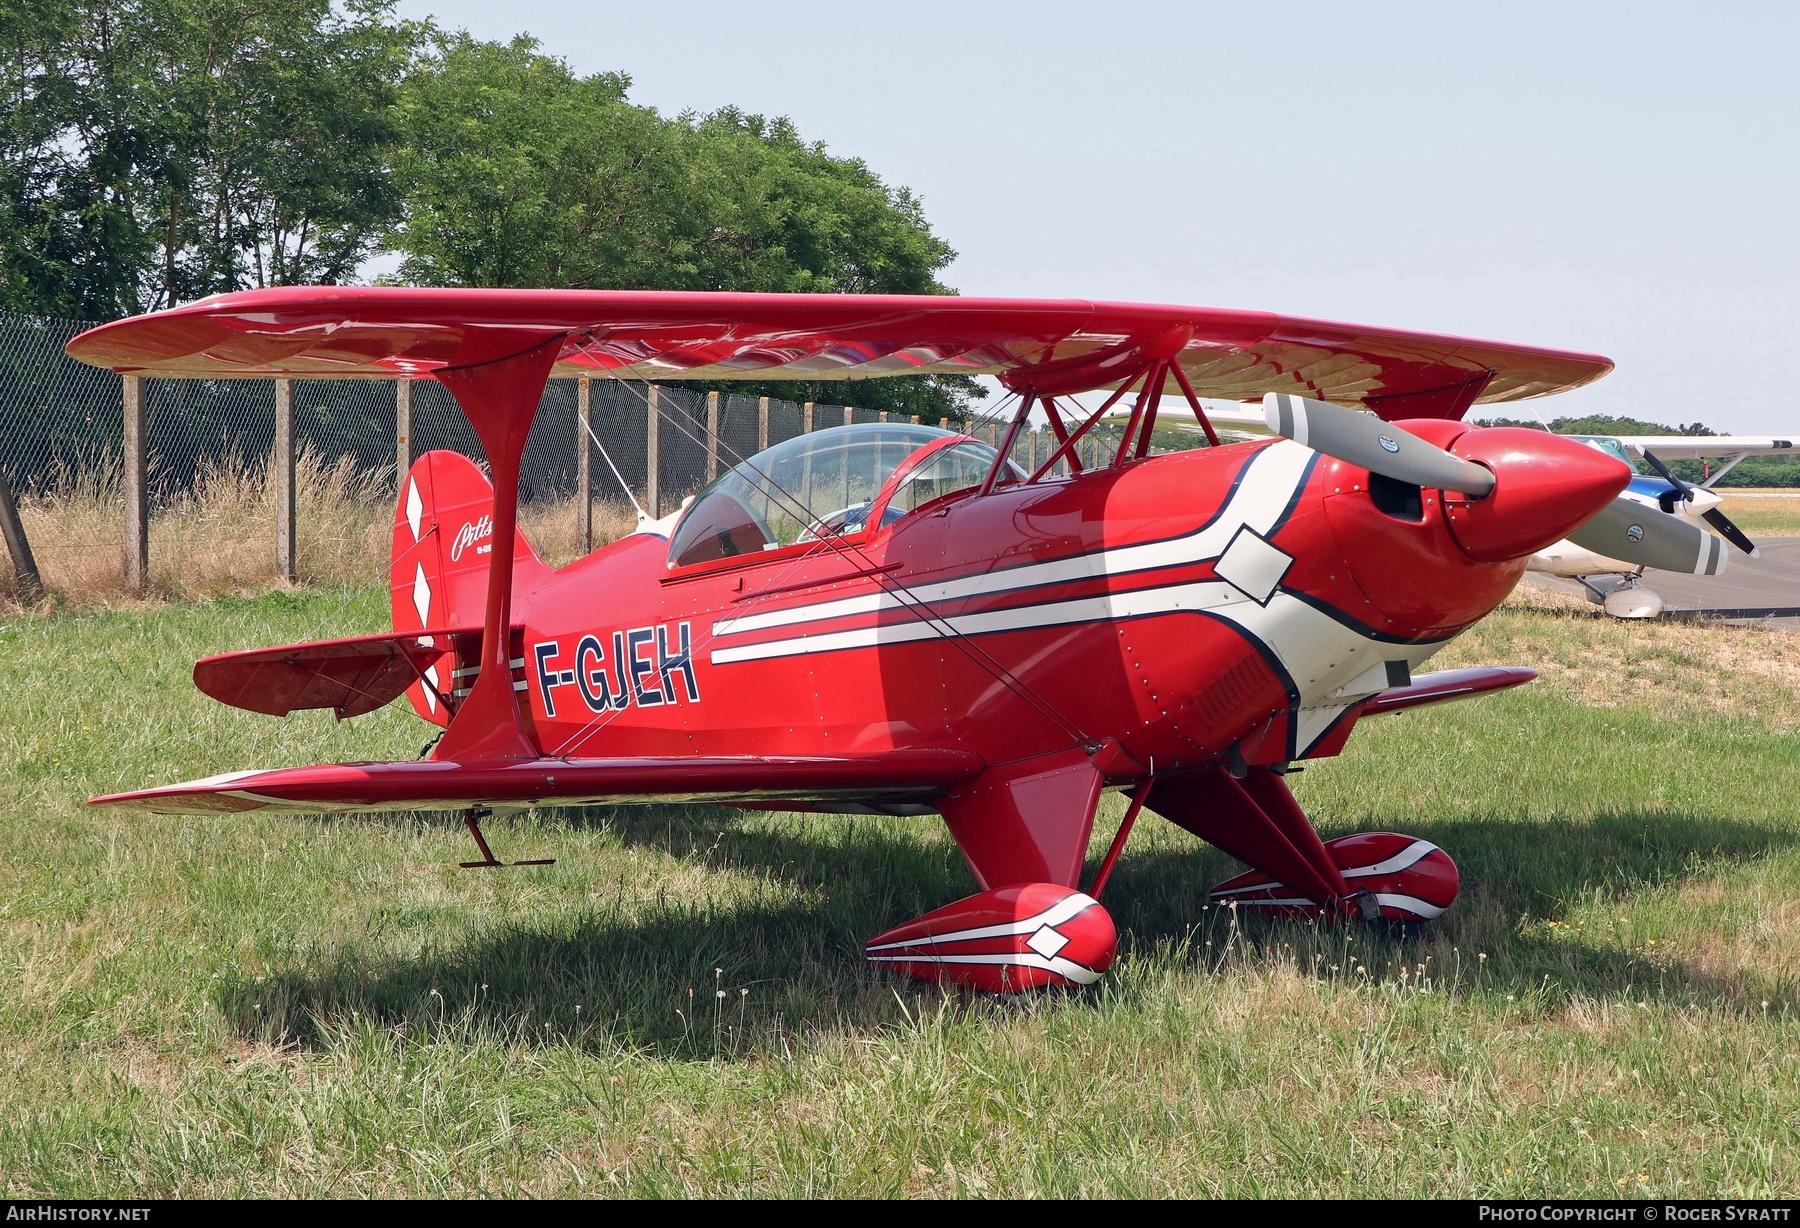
[[443, 533]]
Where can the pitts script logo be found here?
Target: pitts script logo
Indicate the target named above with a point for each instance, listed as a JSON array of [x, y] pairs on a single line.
[[469, 534], [642, 670]]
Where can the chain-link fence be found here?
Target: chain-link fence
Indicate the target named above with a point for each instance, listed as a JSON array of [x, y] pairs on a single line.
[[62, 435]]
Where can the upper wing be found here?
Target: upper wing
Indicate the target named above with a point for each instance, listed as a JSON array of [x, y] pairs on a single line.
[[429, 784], [1694, 447], [371, 331]]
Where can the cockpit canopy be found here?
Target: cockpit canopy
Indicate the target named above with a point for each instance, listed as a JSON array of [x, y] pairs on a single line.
[[828, 484], [1608, 445]]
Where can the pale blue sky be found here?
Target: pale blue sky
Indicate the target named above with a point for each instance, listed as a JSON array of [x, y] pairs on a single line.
[[1611, 177]]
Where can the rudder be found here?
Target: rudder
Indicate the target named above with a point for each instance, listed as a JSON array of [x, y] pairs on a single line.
[[443, 536]]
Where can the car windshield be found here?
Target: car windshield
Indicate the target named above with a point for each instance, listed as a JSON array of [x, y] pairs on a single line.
[[823, 483]]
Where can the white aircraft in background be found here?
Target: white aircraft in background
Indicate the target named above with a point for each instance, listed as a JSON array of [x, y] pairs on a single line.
[[1614, 585], [1617, 586]]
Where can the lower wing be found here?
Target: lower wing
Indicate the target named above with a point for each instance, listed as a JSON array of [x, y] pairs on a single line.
[[433, 785]]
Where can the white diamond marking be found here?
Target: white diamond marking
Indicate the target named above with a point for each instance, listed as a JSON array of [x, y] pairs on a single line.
[[421, 595], [415, 507], [431, 676], [1252, 566], [1047, 942]]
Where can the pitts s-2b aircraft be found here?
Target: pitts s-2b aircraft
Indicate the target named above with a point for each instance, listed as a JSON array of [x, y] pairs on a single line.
[[900, 620]]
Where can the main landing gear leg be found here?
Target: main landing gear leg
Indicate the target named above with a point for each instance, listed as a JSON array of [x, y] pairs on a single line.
[[1368, 876], [1024, 828], [472, 818]]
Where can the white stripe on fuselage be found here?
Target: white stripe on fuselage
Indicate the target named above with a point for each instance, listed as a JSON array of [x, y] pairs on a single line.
[[1264, 491], [1319, 653]]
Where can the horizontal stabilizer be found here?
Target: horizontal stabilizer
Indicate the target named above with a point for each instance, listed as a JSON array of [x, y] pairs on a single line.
[[1446, 685], [350, 676], [432, 785]]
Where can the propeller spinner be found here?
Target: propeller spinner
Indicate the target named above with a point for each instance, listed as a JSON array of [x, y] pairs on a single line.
[[1712, 515], [1624, 529]]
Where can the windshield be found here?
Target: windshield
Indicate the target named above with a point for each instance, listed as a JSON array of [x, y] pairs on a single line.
[[822, 483], [945, 473], [1606, 444]]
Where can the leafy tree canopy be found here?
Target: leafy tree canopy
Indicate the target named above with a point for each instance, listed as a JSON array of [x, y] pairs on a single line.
[[520, 172], [1752, 471], [156, 151]]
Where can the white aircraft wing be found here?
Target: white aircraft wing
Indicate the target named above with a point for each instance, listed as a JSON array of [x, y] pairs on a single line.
[[1694, 447], [1231, 418]]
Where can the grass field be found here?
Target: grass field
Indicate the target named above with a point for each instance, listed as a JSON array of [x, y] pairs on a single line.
[[285, 1006], [1772, 513]]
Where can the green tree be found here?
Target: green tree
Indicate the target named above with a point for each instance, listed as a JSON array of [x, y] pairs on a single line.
[[153, 151], [779, 214], [1752, 471], [520, 172]]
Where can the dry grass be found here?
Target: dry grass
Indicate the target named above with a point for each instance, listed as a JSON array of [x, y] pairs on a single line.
[[1770, 517], [218, 539], [1682, 670], [551, 527]]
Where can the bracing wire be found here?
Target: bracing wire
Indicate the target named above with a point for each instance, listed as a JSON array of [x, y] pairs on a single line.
[[643, 516], [905, 598]]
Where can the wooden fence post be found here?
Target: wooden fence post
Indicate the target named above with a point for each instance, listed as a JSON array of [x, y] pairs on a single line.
[[584, 466], [762, 424], [284, 480], [712, 435], [914, 419], [403, 454], [24, 566], [806, 463], [652, 462], [849, 416], [882, 416], [137, 492]]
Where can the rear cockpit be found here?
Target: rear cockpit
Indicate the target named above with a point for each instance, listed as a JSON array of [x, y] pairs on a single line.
[[835, 483]]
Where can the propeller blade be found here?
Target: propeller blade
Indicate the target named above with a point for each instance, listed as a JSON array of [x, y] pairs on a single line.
[[1366, 441], [1713, 516], [1730, 532], [1668, 474], [1647, 536]]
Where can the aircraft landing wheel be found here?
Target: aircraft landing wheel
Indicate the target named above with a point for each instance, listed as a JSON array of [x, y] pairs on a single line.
[[1391, 876]]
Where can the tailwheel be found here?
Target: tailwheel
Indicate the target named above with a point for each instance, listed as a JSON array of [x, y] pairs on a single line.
[[1006, 940], [1392, 876]]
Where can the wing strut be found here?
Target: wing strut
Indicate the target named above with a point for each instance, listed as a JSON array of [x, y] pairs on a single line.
[[1006, 446], [1187, 390], [1074, 437], [500, 399], [1062, 433], [1143, 415]]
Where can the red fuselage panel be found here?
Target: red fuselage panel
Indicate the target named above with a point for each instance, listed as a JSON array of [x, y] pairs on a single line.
[[1175, 604]]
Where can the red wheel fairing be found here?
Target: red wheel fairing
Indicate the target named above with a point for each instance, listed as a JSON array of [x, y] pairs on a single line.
[[1004, 941]]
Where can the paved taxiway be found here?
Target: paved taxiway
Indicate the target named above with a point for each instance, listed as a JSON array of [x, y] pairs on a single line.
[[1747, 589]]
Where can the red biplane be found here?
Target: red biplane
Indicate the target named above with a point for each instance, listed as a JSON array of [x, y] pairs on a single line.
[[896, 619]]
